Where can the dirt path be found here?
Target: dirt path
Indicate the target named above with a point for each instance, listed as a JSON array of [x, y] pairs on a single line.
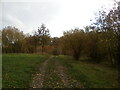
[[38, 79], [52, 74], [66, 79]]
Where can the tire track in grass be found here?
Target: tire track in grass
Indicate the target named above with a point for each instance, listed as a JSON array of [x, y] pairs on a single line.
[[38, 79], [51, 79], [52, 75], [66, 79]]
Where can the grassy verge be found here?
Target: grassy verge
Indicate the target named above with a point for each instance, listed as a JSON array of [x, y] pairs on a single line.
[[51, 79], [89, 74], [18, 69]]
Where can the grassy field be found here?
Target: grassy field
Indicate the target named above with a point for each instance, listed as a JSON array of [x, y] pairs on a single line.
[[89, 74], [18, 69]]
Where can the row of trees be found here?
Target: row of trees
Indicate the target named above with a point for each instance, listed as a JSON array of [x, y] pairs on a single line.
[[99, 41], [15, 41], [93, 44]]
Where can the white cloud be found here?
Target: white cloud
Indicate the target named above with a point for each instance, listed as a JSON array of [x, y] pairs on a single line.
[[0, 15], [75, 13], [58, 15], [12, 21], [28, 0]]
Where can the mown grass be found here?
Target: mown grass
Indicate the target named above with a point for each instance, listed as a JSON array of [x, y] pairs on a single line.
[[90, 75], [51, 79], [17, 69]]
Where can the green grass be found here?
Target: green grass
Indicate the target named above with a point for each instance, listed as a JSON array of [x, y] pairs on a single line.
[[18, 69], [51, 79], [90, 75]]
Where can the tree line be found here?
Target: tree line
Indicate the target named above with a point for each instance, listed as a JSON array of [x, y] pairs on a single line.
[[99, 41], [15, 41]]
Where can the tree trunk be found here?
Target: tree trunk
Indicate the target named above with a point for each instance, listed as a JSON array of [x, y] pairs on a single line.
[[76, 55]]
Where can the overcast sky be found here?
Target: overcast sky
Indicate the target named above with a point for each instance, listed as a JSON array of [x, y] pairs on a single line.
[[57, 15]]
